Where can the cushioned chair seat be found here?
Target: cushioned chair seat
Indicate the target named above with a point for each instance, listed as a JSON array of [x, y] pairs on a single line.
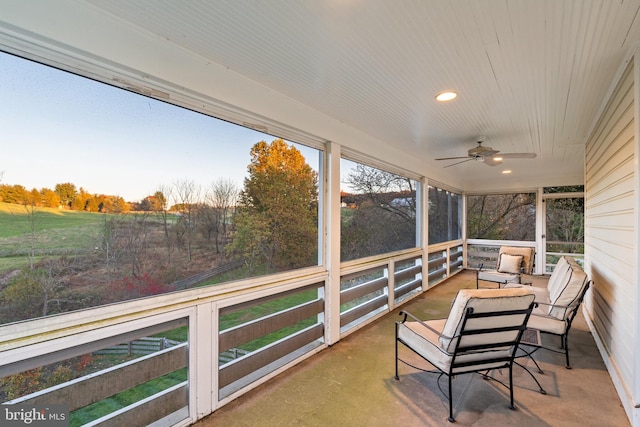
[[425, 341], [541, 296], [544, 323], [497, 277]]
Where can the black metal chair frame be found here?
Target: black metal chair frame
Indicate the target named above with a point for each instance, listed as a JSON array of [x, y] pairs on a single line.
[[460, 350], [564, 337]]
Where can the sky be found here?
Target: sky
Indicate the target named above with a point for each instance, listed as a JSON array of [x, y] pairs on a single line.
[[56, 127]]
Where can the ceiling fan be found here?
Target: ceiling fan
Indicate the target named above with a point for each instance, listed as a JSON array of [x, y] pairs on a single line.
[[487, 155]]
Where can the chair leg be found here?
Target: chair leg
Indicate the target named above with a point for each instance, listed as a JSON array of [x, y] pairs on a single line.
[[450, 419], [565, 343], [396, 376], [511, 405]]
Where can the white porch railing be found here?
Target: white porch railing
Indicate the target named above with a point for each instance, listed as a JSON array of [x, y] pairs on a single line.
[[275, 321]]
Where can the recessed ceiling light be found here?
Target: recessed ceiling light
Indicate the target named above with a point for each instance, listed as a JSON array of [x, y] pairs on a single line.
[[446, 96], [506, 171]]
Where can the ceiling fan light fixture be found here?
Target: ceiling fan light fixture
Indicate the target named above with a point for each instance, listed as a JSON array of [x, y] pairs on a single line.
[[447, 95], [506, 171], [497, 159]]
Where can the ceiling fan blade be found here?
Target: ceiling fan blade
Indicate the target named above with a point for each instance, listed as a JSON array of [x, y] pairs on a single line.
[[517, 155], [490, 161], [453, 158], [457, 163], [489, 153]]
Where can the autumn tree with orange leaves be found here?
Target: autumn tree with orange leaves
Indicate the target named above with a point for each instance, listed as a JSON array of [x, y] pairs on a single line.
[[277, 219]]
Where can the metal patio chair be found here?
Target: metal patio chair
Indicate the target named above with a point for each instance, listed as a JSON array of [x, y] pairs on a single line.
[[513, 262], [482, 333]]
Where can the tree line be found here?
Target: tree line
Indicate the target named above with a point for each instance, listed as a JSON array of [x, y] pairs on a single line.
[[65, 195]]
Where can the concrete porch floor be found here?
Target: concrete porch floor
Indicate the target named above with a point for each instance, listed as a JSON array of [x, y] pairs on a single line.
[[351, 384]]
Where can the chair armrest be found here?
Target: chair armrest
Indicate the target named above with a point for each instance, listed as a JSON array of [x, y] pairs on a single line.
[[553, 305], [566, 308], [407, 314]]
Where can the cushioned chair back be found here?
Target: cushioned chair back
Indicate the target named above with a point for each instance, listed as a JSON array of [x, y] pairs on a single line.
[[527, 254], [485, 301], [559, 277], [566, 285]]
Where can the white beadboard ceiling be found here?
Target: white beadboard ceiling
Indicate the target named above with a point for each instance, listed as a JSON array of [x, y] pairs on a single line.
[[531, 75]]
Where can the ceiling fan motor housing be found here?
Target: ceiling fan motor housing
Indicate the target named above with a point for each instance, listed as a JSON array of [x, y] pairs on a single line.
[[481, 151]]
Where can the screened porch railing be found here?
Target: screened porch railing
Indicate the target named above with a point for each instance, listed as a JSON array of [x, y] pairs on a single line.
[[227, 339]]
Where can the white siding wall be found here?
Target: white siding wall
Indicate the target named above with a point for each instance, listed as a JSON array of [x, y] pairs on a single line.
[[611, 235]]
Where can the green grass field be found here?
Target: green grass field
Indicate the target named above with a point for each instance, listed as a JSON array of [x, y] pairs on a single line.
[[15, 222], [54, 232], [47, 231]]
